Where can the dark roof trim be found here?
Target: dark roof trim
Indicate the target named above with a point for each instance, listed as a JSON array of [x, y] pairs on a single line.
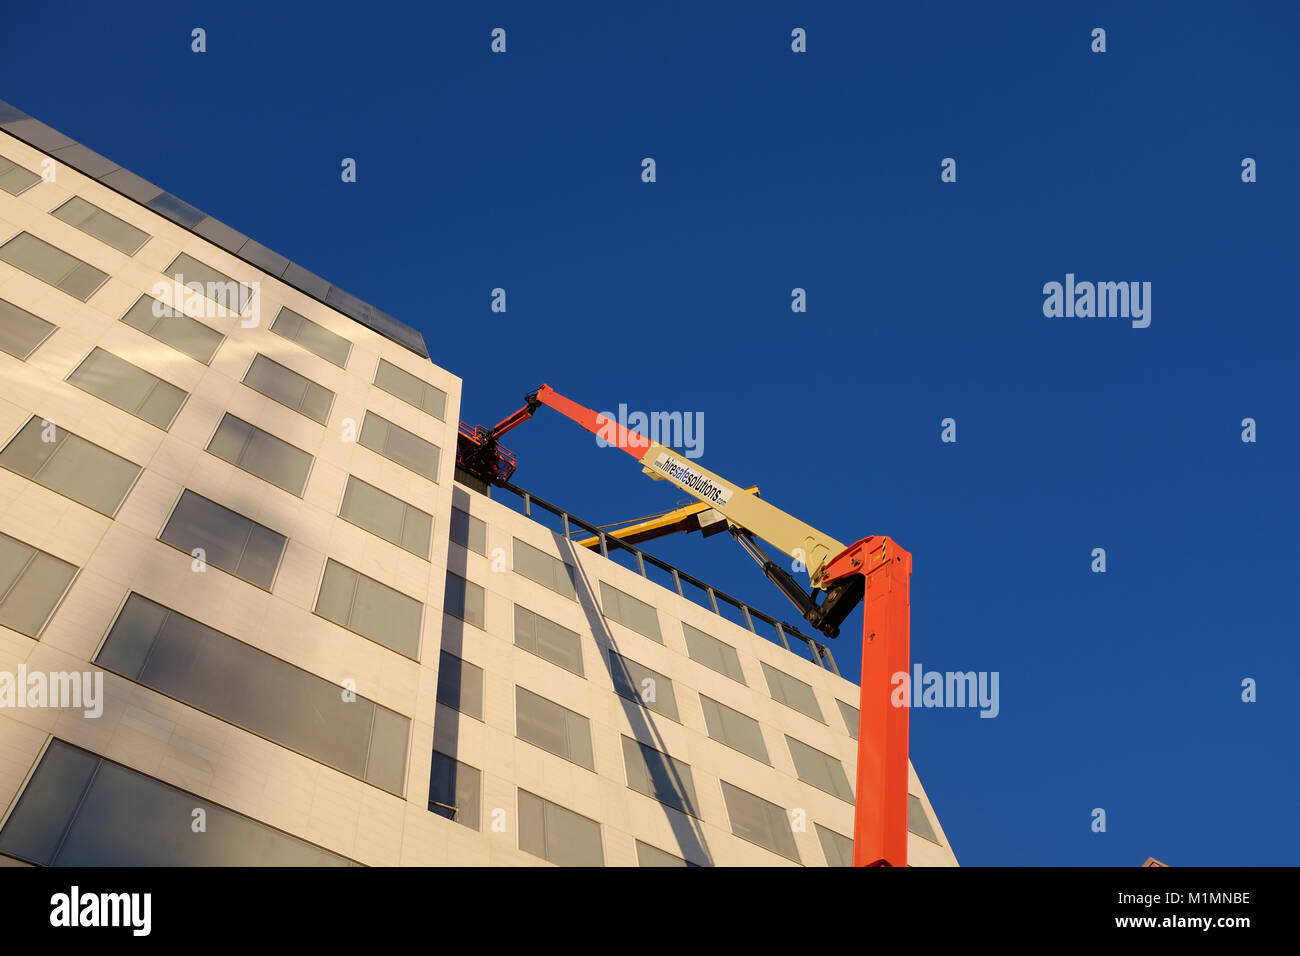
[[35, 133]]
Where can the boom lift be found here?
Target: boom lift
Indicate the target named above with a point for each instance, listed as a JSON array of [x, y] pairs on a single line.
[[873, 570]]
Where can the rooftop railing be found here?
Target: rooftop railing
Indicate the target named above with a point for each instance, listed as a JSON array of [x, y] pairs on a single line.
[[782, 631]]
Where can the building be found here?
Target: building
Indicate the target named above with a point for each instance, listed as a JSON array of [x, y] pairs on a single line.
[[248, 615]]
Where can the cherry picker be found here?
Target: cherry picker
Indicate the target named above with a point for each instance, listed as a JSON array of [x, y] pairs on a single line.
[[873, 571]]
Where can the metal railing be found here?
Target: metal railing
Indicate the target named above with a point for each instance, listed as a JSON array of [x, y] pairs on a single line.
[[782, 630]]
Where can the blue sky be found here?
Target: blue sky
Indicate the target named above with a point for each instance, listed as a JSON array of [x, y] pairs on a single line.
[[821, 171]]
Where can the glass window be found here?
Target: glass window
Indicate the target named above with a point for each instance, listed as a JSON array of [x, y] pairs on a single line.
[[630, 612], [658, 775], [647, 687], [850, 715], [463, 599], [289, 388], [31, 584], [558, 835], [70, 465], [14, 179], [545, 638], [454, 790], [230, 541], [261, 453], [173, 328], [549, 572], [460, 685], [216, 286], [838, 849], [182, 658], [391, 518], [130, 388], [647, 855], [42, 260], [548, 725], [397, 444], [713, 653], [371, 609], [821, 770], [410, 389], [738, 731], [792, 692], [468, 532], [21, 333], [315, 338], [104, 226], [759, 821], [918, 821], [81, 810]]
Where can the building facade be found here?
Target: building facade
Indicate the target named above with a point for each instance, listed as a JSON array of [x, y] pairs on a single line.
[[248, 614]]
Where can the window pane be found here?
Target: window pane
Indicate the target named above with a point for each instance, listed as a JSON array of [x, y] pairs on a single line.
[[838, 849], [792, 692], [851, 716], [289, 388], [261, 454], [391, 518], [104, 226], [759, 821], [397, 444], [130, 819], [242, 685], [453, 784], [549, 640], [20, 331], [49, 801], [821, 770], [918, 821], [647, 687], [658, 775], [410, 389], [463, 599], [173, 328], [460, 685], [216, 286], [42, 260], [468, 531], [647, 855], [371, 609], [14, 179], [558, 835], [130, 388], [31, 584], [713, 653], [315, 338], [229, 541], [386, 767], [548, 725], [549, 572], [738, 731], [630, 612], [70, 465]]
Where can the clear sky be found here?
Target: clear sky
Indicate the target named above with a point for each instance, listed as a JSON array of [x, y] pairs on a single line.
[[821, 170]]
